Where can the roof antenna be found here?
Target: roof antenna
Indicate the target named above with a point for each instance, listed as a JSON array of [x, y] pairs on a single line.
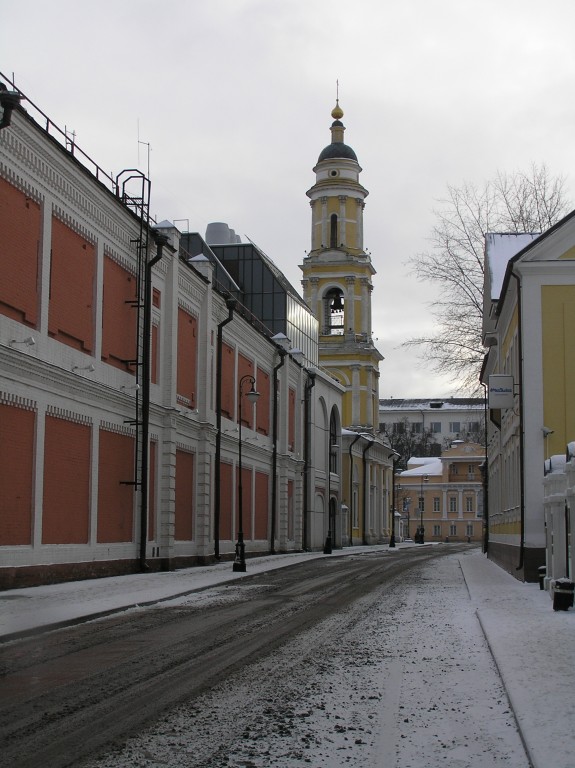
[[146, 144]]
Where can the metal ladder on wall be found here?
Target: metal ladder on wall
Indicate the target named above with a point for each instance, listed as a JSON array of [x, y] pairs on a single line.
[[133, 189]]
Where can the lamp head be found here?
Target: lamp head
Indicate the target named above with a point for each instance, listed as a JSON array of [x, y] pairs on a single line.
[[253, 395]]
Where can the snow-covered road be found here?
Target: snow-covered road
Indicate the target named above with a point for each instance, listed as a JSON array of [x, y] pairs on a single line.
[[403, 677]]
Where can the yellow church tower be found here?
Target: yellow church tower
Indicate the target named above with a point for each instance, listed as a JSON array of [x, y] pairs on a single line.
[[337, 280]]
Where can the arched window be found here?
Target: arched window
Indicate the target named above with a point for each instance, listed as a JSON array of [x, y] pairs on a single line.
[[333, 442], [333, 230], [333, 310]]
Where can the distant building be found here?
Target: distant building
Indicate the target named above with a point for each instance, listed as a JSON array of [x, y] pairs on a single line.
[[443, 495], [427, 426]]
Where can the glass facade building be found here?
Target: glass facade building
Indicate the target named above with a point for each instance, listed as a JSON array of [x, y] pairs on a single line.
[[251, 277]]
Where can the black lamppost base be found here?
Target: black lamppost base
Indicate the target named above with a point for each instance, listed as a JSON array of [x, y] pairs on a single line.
[[240, 559]]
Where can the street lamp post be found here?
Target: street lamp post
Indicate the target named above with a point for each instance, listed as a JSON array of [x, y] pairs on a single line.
[[252, 395], [405, 505]]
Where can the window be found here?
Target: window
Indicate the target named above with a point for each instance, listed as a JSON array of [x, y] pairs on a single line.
[[19, 289], [333, 313], [473, 426], [263, 406], [437, 530], [72, 281], [421, 505], [453, 503], [469, 503], [333, 231], [454, 469], [435, 427], [455, 426], [398, 428], [291, 419], [187, 371], [416, 428], [333, 443], [453, 530], [469, 530], [470, 471], [436, 506]]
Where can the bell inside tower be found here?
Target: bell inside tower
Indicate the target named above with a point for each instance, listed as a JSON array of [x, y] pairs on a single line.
[[334, 321]]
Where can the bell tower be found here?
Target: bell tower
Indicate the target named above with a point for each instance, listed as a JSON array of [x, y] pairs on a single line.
[[337, 279]]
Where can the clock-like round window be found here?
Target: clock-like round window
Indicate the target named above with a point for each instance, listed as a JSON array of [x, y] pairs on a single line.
[[334, 173]]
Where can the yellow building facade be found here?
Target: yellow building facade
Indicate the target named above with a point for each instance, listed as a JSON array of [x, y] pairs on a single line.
[[528, 321]]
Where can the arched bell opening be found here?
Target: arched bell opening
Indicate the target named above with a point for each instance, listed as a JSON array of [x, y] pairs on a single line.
[[334, 313]]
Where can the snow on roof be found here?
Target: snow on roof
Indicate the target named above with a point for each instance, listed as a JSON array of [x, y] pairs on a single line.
[[165, 224], [499, 249], [425, 465], [432, 404]]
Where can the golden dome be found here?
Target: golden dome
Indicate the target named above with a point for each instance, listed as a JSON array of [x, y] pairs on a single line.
[[337, 111]]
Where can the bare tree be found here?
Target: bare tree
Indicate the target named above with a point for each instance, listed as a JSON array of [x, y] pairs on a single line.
[[407, 442], [521, 202]]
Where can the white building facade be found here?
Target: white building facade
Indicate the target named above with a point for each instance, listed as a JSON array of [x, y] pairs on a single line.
[[123, 375]]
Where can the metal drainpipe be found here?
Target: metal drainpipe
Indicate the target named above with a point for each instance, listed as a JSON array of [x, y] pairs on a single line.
[[310, 384], [521, 425], [282, 353], [353, 442], [230, 304], [161, 241], [394, 458], [485, 479], [365, 489]]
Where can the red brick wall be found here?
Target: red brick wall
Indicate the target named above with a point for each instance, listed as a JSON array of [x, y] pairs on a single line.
[[247, 503], [66, 505], [226, 488], [262, 506], [228, 381], [263, 404], [119, 316], [291, 424], [20, 225], [17, 427], [115, 500], [184, 528], [72, 285], [245, 368], [187, 356]]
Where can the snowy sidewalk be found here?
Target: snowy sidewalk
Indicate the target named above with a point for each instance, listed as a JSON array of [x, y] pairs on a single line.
[[534, 649], [533, 646]]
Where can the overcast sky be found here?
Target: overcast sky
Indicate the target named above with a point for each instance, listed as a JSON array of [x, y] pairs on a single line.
[[234, 99]]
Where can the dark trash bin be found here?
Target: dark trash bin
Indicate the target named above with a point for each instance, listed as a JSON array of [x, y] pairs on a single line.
[[563, 594], [542, 573]]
